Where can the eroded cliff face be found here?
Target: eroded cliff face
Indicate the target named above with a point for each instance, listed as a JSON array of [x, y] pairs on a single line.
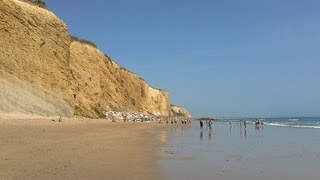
[[34, 53], [44, 72], [100, 85]]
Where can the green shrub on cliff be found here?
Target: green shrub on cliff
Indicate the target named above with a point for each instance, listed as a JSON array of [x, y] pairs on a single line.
[[40, 3], [88, 42], [74, 38]]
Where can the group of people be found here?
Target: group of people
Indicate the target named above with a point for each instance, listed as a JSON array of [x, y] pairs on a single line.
[[258, 123], [175, 120], [208, 123], [186, 121], [243, 124]]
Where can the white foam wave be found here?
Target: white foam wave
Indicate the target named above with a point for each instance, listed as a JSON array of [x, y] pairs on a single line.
[[292, 126], [294, 119]]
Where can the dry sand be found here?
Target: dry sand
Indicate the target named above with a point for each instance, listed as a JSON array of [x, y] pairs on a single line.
[[39, 148]]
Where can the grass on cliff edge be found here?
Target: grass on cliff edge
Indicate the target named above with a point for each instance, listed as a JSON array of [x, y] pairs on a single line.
[[74, 38], [39, 3]]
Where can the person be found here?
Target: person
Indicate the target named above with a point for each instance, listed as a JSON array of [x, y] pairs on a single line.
[[201, 124], [230, 123], [209, 133], [210, 124], [245, 124], [258, 124]]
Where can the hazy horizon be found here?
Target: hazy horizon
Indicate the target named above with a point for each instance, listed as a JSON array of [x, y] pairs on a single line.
[[216, 58]]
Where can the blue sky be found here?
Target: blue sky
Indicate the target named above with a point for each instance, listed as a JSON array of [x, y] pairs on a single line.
[[221, 58]]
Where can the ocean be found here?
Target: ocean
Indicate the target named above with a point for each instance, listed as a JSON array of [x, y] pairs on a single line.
[[283, 148], [294, 122]]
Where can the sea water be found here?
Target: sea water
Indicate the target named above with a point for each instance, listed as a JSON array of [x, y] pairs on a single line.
[[297, 122], [294, 122], [283, 148]]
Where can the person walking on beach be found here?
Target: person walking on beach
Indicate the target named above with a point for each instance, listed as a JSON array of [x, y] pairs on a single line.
[[210, 124], [201, 124]]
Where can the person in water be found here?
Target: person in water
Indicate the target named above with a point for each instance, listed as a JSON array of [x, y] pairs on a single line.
[[258, 123], [230, 123]]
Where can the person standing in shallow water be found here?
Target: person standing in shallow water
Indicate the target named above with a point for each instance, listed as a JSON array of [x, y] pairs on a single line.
[[230, 123]]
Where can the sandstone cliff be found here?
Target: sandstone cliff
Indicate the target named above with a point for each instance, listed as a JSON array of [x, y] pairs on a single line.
[[44, 72], [99, 84], [179, 111], [34, 54]]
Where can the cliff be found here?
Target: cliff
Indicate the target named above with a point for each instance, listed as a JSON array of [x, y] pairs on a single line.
[[34, 54], [45, 72], [100, 85], [179, 111]]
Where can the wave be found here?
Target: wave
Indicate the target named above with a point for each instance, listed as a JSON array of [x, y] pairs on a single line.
[[293, 119], [292, 126]]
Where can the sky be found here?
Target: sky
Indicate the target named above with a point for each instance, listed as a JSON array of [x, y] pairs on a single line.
[[217, 58]]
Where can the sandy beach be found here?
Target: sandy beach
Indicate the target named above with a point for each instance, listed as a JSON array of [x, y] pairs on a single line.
[[39, 148], [78, 148]]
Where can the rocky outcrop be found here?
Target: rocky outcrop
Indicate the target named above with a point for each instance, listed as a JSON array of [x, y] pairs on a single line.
[[44, 72], [179, 111]]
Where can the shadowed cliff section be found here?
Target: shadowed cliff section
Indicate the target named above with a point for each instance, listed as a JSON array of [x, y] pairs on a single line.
[[45, 72]]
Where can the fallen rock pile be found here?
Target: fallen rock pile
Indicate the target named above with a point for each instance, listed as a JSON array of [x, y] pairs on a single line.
[[130, 116], [143, 117]]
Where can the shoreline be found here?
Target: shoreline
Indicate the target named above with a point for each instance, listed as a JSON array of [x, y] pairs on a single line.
[[241, 153], [33, 147]]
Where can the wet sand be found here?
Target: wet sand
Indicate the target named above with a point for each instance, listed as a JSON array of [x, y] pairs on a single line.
[[39, 148], [234, 154]]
